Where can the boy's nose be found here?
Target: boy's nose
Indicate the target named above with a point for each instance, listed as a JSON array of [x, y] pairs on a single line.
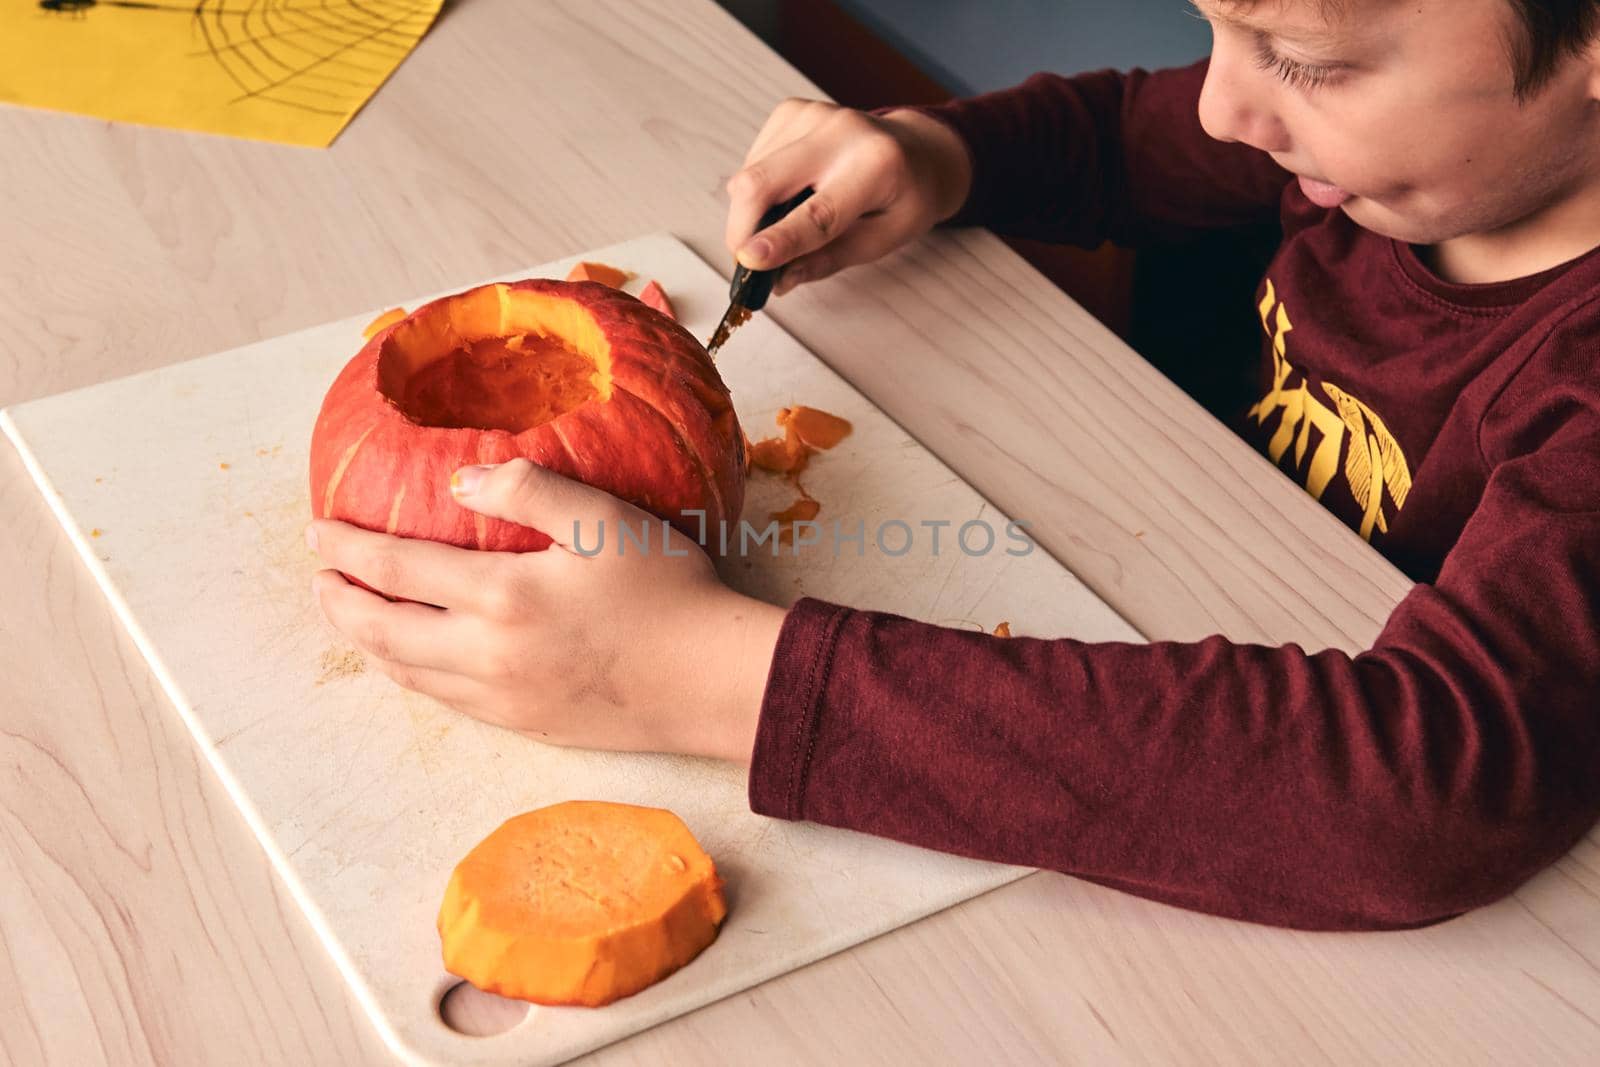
[[1232, 108]]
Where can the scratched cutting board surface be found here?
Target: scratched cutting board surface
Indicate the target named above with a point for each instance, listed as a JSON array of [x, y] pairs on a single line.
[[185, 491]]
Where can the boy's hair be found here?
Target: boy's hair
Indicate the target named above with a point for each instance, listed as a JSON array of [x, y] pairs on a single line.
[[1551, 31]]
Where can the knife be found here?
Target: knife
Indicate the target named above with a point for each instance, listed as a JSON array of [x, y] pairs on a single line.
[[748, 291]]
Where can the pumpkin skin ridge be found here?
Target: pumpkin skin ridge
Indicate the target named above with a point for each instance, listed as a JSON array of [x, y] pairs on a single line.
[[641, 346], [640, 314], [566, 445], [681, 483], [342, 467], [690, 450]]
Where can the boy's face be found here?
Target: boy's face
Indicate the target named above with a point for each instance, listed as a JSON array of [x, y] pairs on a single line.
[[1402, 113]]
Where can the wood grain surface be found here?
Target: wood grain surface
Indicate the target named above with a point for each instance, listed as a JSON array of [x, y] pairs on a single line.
[[139, 922]]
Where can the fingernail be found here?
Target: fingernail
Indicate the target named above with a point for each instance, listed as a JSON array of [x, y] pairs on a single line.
[[311, 538], [465, 481], [757, 252]]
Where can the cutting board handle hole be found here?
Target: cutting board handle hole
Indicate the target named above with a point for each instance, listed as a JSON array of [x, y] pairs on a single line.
[[470, 1011]]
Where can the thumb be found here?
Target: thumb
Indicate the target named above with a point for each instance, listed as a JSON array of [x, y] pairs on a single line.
[[525, 493]]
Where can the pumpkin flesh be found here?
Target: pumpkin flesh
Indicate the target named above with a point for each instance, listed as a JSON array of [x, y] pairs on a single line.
[[498, 383], [580, 903], [383, 322]]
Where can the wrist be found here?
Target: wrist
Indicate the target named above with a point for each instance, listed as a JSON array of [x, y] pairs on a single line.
[[939, 152], [745, 641]]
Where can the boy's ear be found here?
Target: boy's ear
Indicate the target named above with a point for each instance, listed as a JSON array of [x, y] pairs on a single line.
[[1591, 59]]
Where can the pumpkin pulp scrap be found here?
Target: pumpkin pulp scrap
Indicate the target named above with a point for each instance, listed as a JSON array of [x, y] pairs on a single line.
[[779, 455], [603, 273], [656, 297], [816, 429], [802, 510], [805, 430], [383, 322]]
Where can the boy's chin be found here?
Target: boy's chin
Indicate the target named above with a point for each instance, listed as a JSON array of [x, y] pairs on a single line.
[[1370, 215]]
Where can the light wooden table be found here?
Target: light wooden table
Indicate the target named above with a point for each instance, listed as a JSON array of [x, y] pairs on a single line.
[[140, 922]]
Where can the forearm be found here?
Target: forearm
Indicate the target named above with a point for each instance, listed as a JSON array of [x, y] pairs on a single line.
[[1105, 156], [1264, 784]]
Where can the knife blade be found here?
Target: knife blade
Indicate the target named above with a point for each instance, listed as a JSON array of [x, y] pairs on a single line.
[[749, 289]]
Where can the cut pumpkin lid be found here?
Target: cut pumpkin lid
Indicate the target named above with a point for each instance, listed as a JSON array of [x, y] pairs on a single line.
[[583, 867]]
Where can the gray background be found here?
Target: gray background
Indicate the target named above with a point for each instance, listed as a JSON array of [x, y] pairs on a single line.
[[972, 46]]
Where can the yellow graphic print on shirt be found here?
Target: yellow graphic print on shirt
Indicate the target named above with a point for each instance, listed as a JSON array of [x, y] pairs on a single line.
[[1374, 465]]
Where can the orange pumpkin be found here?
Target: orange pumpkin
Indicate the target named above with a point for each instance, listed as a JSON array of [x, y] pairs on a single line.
[[578, 377]]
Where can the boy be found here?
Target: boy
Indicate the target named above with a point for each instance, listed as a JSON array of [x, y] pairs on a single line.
[[1429, 373]]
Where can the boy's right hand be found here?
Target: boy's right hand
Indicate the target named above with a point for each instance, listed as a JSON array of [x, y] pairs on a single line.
[[879, 181]]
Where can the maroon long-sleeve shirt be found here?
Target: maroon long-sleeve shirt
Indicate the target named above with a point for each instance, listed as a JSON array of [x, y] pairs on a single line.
[[1457, 427]]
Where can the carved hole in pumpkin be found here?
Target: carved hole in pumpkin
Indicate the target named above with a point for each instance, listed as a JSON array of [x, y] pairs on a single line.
[[470, 1011], [489, 383]]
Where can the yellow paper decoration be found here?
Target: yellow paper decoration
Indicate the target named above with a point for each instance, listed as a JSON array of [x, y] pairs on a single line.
[[291, 71]]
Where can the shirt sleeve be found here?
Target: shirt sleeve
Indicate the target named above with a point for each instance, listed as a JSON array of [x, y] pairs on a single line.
[[1107, 156], [1428, 775]]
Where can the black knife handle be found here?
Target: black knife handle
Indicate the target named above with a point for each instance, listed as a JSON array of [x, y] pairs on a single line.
[[750, 288]]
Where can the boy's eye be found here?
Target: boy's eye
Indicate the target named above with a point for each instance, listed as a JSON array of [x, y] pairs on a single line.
[[1305, 76]]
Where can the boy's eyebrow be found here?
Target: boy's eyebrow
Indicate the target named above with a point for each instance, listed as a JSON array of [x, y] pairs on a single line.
[[1235, 14]]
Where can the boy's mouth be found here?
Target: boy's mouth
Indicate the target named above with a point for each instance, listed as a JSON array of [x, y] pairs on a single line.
[[1322, 194]]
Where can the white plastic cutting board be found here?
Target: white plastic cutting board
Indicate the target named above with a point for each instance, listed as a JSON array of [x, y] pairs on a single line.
[[185, 491]]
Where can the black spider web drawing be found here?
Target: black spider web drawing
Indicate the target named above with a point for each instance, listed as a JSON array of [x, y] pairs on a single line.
[[324, 56]]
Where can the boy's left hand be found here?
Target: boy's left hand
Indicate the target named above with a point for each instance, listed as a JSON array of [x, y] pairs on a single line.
[[642, 650]]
